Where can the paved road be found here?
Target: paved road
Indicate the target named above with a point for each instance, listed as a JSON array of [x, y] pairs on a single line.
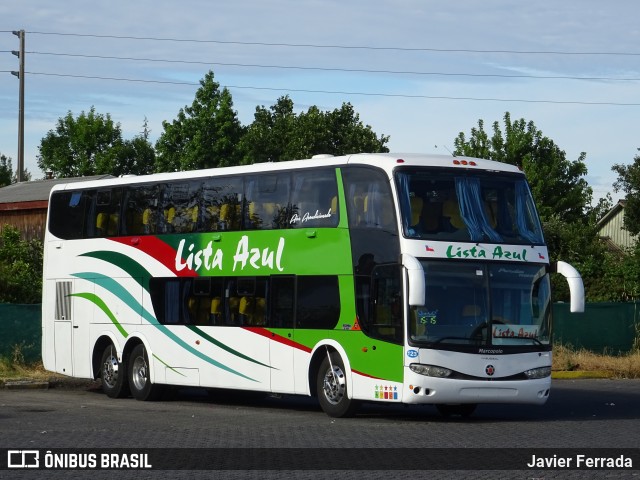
[[580, 414]]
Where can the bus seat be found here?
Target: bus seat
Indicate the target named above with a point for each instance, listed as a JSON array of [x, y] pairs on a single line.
[[215, 310], [113, 224], [451, 210], [192, 218], [102, 224], [431, 216], [334, 205], [147, 221], [245, 309], [416, 210]]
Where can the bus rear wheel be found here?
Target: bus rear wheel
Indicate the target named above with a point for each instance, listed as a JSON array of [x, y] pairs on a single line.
[[113, 375], [331, 386], [139, 375]]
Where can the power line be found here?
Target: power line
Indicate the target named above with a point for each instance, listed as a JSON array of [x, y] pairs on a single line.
[[338, 92], [329, 46], [339, 69]]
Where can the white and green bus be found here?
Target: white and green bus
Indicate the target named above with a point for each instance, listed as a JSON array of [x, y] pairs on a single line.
[[411, 279]]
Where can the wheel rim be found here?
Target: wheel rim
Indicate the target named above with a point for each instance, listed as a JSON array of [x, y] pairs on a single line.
[[140, 371], [334, 386], [110, 371]]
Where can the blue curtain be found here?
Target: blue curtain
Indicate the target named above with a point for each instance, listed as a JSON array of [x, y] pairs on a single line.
[[472, 209]]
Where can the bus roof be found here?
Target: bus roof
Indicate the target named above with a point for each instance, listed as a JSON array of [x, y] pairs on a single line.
[[385, 161]]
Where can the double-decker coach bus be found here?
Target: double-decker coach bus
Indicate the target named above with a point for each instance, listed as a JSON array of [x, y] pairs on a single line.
[[372, 277]]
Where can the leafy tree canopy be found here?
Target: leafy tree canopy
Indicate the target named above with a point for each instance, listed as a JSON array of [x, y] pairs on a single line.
[[20, 268], [279, 134], [204, 135], [629, 182], [558, 184], [92, 144], [6, 171]]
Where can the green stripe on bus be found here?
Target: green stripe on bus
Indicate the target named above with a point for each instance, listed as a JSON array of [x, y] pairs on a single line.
[[126, 263], [217, 343], [102, 306], [123, 294]]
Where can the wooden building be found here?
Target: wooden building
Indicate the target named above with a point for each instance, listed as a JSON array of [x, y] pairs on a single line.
[[24, 205], [611, 229]]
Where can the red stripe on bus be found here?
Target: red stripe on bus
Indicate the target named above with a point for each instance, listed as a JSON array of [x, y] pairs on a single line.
[[157, 249], [278, 338]]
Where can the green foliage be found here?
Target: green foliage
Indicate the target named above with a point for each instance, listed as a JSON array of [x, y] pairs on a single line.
[[6, 171], [278, 134], [204, 135], [558, 185], [20, 268], [629, 182], [92, 144]]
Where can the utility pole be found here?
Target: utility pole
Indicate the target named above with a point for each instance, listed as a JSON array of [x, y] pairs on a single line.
[[20, 75]]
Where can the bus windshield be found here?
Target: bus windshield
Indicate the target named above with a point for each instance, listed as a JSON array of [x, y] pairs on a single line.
[[469, 303], [447, 205]]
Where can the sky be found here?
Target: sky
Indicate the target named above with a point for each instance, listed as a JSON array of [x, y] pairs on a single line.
[[419, 71]]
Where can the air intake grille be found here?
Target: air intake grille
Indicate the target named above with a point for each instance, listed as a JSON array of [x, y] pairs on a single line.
[[63, 301]]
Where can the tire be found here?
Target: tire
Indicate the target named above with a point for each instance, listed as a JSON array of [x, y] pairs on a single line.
[[139, 375], [113, 374], [462, 409], [331, 385]]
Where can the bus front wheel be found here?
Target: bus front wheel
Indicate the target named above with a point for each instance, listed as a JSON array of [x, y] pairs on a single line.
[[332, 388], [139, 375], [112, 374]]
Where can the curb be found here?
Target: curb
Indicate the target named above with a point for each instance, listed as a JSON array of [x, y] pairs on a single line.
[[26, 385]]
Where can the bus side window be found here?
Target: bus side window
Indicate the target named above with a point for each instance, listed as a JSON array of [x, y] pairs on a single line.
[[314, 199], [371, 203], [281, 301], [386, 298], [267, 198], [318, 301]]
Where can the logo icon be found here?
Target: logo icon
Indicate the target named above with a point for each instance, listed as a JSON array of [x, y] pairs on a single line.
[[490, 370], [412, 353], [23, 459]]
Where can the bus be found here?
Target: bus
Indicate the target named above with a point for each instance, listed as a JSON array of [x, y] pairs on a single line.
[[415, 279]]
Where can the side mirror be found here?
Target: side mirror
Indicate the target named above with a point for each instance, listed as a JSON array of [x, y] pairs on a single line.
[[576, 287], [415, 277]]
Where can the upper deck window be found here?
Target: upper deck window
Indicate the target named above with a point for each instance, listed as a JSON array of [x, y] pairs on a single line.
[[450, 205]]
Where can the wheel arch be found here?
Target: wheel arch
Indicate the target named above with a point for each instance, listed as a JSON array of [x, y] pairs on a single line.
[[99, 346], [318, 354], [123, 352]]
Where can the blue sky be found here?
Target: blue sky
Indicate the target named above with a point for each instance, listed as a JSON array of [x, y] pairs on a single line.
[[467, 60]]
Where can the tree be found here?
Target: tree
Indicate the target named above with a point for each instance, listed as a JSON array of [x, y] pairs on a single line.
[[558, 185], [92, 144], [278, 134], [629, 182], [20, 268], [6, 171], [204, 135], [80, 146]]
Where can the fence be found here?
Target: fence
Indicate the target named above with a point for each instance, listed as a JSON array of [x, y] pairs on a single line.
[[603, 328], [20, 332]]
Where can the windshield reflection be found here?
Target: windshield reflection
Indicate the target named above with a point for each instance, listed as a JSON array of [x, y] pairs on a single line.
[[471, 303]]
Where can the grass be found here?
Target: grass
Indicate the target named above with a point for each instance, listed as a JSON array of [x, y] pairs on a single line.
[[568, 362]]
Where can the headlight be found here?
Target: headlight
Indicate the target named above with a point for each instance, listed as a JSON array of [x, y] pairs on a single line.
[[541, 372], [430, 370]]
